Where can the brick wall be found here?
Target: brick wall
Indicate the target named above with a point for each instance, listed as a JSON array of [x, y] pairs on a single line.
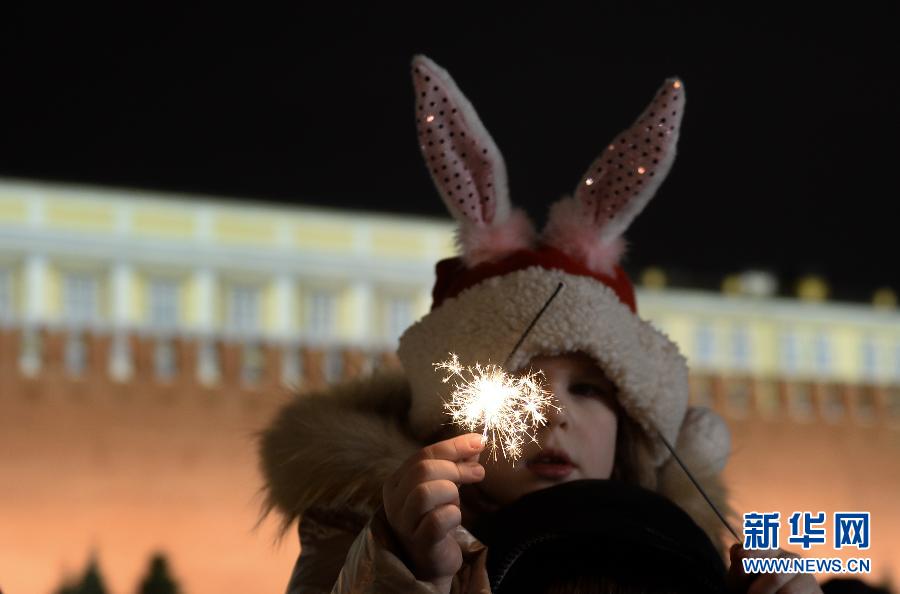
[[125, 469]]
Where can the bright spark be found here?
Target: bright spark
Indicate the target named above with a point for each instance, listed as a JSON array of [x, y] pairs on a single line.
[[508, 408]]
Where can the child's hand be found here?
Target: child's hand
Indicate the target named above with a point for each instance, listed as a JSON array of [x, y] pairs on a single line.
[[767, 583], [421, 502]]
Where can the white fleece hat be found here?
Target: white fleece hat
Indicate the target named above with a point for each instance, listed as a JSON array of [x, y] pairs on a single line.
[[505, 272]]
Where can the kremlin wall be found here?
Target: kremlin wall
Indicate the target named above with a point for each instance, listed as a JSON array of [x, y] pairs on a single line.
[[146, 338]]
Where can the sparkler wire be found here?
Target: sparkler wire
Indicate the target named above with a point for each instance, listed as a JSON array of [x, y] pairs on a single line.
[[559, 288], [507, 405], [671, 449], [697, 484]]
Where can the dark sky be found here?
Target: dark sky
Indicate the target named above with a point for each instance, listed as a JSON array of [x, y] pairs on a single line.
[[787, 153]]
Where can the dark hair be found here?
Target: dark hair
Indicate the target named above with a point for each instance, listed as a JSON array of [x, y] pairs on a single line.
[[625, 463]]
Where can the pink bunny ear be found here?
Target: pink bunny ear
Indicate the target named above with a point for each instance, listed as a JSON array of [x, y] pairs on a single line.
[[466, 167], [619, 184]]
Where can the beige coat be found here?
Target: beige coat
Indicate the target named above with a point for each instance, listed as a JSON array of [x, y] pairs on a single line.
[[325, 457]]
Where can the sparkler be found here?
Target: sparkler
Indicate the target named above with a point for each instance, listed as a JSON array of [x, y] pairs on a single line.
[[697, 485], [510, 408]]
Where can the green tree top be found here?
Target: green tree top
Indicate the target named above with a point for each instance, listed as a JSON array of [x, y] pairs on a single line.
[[158, 580]]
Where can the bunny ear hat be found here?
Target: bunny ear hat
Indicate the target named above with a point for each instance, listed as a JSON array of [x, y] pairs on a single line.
[[485, 298]]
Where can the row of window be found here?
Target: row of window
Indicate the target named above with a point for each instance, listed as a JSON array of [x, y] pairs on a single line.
[[795, 352], [165, 360], [243, 308], [81, 306], [6, 295]]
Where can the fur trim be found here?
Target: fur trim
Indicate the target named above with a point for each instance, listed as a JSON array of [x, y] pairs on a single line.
[[705, 437], [479, 244], [571, 230], [335, 448], [483, 323]]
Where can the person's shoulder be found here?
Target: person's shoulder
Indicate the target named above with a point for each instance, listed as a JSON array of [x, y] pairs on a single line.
[[326, 535], [334, 448], [323, 522]]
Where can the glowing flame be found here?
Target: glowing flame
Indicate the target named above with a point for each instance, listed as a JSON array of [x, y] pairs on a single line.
[[508, 408]]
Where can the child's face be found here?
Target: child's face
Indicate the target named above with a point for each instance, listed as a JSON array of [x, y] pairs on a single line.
[[577, 443]]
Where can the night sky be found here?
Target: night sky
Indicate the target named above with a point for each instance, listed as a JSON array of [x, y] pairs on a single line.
[[787, 149]]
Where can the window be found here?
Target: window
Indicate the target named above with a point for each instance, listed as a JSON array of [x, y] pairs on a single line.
[[801, 404], [832, 402], [705, 347], [897, 362], [701, 390], [291, 366], [739, 397], [320, 321], [374, 362], [120, 365], [869, 358], [333, 365], [80, 302], [741, 348], [366, 364], [252, 363], [822, 352], [165, 364], [75, 354], [208, 362], [866, 405], [767, 401], [892, 400], [790, 352], [163, 304], [30, 358], [6, 295], [243, 309], [399, 316]]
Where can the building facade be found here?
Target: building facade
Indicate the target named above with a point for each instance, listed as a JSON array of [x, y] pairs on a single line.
[[144, 338]]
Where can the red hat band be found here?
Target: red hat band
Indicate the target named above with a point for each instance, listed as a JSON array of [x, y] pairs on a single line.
[[453, 276]]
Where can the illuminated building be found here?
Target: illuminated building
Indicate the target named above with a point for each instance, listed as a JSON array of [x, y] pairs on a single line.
[[145, 337]]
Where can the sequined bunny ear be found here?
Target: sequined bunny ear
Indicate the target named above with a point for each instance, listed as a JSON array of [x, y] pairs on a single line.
[[466, 167], [619, 184]]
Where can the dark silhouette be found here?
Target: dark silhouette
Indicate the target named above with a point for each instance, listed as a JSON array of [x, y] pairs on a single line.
[[158, 580], [851, 586], [91, 582]]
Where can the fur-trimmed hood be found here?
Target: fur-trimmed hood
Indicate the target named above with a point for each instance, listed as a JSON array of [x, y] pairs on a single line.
[[334, 449]]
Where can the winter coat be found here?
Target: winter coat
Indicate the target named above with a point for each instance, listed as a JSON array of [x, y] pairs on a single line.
[[324, 459]]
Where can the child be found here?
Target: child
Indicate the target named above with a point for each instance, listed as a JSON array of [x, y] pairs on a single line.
[[385, 496]]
